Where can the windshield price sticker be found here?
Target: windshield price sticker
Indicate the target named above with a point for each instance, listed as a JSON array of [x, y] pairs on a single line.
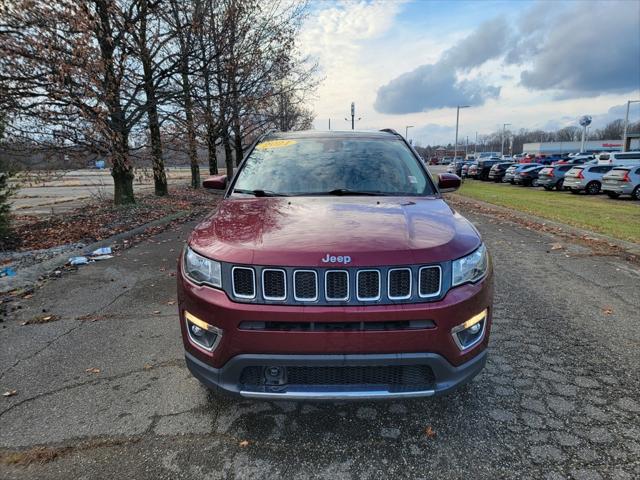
[[275, 144]]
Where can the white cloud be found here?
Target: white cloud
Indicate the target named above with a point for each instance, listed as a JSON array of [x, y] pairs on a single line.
[[363, 45]]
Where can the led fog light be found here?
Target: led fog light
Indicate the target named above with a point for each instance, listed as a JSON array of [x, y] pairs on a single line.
[[471, 332], [201, 333]]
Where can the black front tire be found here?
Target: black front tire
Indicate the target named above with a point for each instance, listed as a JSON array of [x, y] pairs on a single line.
[[636, 193], [559, 185]]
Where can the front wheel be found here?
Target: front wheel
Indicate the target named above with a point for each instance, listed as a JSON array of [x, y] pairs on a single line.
[[559, 185], [593, 188], [636, 193]]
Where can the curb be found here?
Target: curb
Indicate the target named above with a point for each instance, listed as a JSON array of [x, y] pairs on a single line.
[[30, 275], [629, 247]]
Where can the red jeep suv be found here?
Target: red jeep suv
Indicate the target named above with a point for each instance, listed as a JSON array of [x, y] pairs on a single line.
[[333, 269]]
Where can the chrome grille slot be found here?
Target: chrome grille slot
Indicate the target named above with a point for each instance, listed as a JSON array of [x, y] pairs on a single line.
[[336, 285], [244, 282], [274, 284], [305, 285], [430, 281], [368, 285], [399, 284]]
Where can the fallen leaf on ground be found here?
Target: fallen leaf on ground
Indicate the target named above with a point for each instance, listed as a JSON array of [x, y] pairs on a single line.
[[10, 393], [41, 319], [557, 246], [171, 302], [430, 432], [607, 310], [92, 370], [244, 443], [156, 312], [147, 366]]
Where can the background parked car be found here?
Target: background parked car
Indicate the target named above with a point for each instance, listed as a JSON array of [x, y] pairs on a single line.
[[553, 176], [472, 171], [575, 160], [498, 170], [527, 176], [619, 158], [517, 168], [624, 180], [465, 168], [586, 177], [484, 167]]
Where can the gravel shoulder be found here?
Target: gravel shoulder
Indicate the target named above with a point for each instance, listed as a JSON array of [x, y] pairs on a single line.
[[559, 397]]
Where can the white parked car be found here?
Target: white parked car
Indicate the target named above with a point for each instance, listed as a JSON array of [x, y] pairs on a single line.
[[619, 158]]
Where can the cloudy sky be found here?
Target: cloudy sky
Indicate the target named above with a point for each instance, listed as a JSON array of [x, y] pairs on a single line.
[[534, 64]]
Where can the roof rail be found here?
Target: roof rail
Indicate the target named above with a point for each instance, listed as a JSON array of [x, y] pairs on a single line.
[[390, 130]]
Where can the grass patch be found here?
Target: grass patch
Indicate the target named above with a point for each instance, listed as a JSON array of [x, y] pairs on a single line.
[[616, 218]]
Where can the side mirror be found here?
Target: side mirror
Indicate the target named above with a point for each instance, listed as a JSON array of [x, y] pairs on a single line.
[[216, 182], [448, 182]]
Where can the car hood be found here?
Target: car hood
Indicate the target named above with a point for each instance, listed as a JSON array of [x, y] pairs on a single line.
[[301, 231]]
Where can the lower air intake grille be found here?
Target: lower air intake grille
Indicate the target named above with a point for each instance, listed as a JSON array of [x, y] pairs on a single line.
[[395, 377], [243, 282], [429, 281]]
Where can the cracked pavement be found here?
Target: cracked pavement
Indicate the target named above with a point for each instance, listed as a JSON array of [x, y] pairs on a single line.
[[559, 397]]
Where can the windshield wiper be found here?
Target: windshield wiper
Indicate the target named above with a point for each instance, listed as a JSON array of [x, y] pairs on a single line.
[[346, 191], [259, 193]]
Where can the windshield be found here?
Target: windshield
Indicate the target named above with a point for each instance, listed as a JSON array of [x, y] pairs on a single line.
[[332, 165]]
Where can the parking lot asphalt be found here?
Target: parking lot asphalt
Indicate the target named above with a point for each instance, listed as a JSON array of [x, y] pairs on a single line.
[[105, 387]]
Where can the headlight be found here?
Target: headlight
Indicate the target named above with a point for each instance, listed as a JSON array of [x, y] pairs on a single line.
[[202, 270], [470, 268]]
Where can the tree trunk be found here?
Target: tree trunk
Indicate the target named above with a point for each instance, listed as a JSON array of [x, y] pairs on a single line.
[[228, 154], [191, 132], [122, 173], [159, 175], [211, 148]]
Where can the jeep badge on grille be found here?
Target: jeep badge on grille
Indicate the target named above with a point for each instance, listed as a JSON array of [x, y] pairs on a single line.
[[339, 259]]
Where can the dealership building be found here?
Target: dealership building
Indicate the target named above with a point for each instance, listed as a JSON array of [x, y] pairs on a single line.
[[574, 147]]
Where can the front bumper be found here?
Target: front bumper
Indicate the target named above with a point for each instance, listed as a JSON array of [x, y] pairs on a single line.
[[227, 378], [434, 346]]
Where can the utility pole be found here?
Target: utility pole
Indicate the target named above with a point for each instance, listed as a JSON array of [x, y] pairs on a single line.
[[504, 128], [455, 148], [406, 132], [353, 116], [626, 125], [329, 124], [466, 148]]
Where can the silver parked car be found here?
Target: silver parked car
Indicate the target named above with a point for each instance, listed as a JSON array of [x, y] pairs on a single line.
[[553, 176], [622, 180], [586, 177]]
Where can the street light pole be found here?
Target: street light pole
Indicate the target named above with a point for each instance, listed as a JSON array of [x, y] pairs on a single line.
[[455, 148], [626, 125], [504, 128], [406, 132]]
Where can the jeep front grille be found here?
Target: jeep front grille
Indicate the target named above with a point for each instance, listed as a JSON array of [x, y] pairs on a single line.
[[274, 284], [326, 286], [337, 285], [243, 282], [430, 279], [399, 283], [305, 285], [368, 285]]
